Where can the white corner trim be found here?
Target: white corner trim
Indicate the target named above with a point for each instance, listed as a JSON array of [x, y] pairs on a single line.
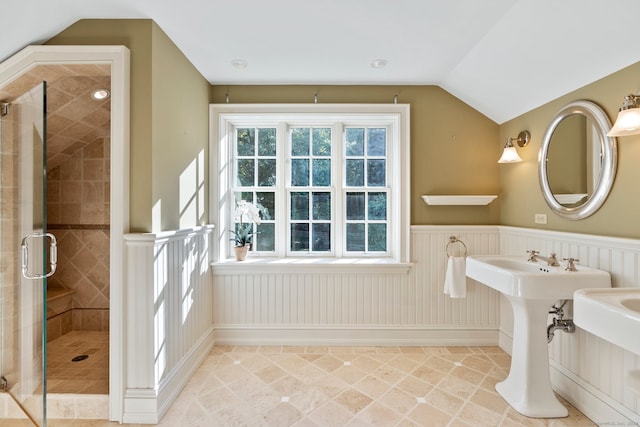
[[596, 405]]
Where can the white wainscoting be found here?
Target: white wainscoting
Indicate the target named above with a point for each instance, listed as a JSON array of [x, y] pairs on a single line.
[[359, 305], [586, 370], [169, 323]]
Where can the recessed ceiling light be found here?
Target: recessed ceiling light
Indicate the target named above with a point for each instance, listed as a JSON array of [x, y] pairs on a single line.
[[239, 63], [100, 94], [379, 63]]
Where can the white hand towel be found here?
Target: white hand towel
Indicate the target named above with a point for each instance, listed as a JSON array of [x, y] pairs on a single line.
[[455, 280]]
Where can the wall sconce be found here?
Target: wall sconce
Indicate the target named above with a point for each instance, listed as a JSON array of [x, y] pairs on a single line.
[[510, 155], [628, 121]]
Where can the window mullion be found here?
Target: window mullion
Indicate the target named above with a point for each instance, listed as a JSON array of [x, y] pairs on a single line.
[[338, 182], [282, 184]]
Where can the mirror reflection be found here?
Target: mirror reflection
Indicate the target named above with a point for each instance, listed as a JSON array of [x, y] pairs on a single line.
[[577, 160], [574, 160]]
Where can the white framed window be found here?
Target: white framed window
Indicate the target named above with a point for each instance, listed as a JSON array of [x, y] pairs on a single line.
[[331, 180]]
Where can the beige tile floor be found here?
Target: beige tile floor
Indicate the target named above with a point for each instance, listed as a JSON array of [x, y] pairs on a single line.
[[347, 386], [87, 376]]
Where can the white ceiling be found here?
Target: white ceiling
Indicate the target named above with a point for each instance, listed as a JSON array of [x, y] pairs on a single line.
[[502, 57]]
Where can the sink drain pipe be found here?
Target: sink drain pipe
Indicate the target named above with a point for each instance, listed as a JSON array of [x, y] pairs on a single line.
[[559, 322]]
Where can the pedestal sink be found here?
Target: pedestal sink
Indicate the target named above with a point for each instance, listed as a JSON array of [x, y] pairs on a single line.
[[612, 314], [531, 288]]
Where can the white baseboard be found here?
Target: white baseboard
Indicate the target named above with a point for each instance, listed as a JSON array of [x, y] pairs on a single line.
[[599, 407], [505, 341], [354, 336], [148, 406]]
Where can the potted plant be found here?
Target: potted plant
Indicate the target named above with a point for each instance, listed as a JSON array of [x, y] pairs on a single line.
[[246, 214]]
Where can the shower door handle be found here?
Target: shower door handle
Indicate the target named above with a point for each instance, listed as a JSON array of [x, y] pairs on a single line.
[[53, 255]]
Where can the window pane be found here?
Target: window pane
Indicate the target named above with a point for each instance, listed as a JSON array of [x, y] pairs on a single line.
[[354, 142], [246, 172], [377, 237], [377, 206], [321, 172], [376, 141], [376, 173], [354, 173], [300, 172], [299, 237], [355, 237], [322, 142], [299, 206], [355, 206], [266, 172], [246, 142], [266, 237], [321, 237], [267, 142], [244, 195], [322, 206], [267, 201], [300, 141]]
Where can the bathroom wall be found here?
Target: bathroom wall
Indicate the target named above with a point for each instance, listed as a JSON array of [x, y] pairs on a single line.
[[347, 304], [520, 190], [78, 208], [453, 147], [169, 123]]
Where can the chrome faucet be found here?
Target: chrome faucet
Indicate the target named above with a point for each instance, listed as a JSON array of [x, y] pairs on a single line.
[[551, 260]]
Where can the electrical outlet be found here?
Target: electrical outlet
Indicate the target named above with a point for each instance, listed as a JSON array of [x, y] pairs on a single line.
[[540, 218]]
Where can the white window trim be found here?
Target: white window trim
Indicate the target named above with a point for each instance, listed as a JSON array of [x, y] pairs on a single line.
[[223, 117]]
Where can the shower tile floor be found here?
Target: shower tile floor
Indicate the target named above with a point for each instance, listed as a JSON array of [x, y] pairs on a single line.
[[347, 386], [88, 376]]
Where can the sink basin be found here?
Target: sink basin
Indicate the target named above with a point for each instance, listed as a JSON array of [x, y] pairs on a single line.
[[517, 277], [531, 288], [612, 314]]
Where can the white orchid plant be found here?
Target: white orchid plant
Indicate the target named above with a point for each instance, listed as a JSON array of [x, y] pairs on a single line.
[[246, 214]]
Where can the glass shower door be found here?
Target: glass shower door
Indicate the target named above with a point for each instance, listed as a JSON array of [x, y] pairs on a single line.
[[27, 252]]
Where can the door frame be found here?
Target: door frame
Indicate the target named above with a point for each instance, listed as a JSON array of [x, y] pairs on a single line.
[[118, 57]]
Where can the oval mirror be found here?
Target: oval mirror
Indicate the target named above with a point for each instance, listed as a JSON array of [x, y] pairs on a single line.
[[577, 160]]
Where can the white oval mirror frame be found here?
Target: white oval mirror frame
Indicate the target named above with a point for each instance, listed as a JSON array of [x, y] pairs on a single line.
[[601, 123]]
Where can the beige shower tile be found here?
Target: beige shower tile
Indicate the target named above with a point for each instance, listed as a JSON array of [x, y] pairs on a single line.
[[489, 400], [478, 415], [414, 386], [444, 401], [353, 400], [378, 415], [468, 375], [399, 400], [457, 387], [425, 414], [331, 414], [428, 374]]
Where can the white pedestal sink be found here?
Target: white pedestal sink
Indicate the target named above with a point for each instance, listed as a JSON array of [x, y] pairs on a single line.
[[613, 315], [531, 288]]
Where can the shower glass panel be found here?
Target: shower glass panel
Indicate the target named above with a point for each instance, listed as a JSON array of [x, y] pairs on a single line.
[[25, 252]]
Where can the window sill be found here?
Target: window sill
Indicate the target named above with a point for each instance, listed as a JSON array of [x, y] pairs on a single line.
[[310, 265]]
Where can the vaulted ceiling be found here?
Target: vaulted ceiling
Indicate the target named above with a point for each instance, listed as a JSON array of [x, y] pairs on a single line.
[[502, 57]]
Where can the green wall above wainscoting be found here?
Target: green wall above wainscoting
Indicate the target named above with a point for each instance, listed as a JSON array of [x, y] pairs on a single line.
[[522, 197], [453, 147]]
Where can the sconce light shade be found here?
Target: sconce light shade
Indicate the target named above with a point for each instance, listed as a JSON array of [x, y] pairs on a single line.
[[510, 155], [628, 121]]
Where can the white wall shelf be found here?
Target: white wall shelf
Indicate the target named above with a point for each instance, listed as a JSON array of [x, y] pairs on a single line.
[[458, 200]]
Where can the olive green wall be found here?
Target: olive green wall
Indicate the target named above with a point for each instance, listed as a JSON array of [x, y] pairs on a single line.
[[453, 147], [521, 194], [169, 122], [180, 120]]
